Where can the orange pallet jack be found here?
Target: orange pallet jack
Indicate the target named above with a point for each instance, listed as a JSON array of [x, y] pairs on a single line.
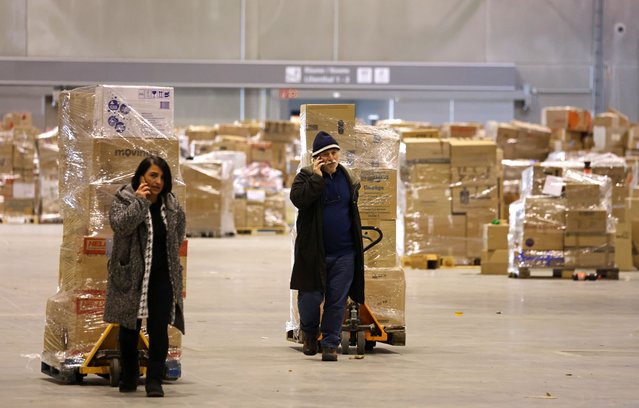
[[361, 329]]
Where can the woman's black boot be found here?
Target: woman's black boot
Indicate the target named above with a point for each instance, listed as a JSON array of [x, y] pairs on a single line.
[[154, 374]]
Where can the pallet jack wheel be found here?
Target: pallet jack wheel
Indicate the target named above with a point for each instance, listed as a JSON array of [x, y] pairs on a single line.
[[370, 345], [345, 341], [114, 372], [361, 342]]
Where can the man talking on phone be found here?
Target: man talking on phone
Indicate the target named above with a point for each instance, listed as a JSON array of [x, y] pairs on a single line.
[[329, 260]]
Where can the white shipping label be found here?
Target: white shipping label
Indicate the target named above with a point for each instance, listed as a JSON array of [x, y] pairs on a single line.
[[24, 190]]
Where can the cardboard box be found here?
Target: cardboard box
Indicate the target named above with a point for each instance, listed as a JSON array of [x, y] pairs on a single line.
[[117, 158], [280, 131], [475, 222], [545, 212], [588, 258], [494, 262], [567, 117], [427, 150], [432, 174], [584, 240], [338, 119], [427, 200], [582, 195], [6, 157], [383, 254], [496, 236], [444, 235], [623, 246], [586, 221], [611, 119], [233, 129], [378, 193], [260, 152], [460, 130], [254, 215], [426, 133], [542, 239], [196, 133], [472, 153], [474, 197], [121, 111], [469, 175], [386, 295], [367, 147], [608, 138], [239, 212]]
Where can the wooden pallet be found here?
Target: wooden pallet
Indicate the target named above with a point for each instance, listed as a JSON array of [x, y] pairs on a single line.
[[19, 219], [208, 234], [434, 261], [262, 231], [609, 273]]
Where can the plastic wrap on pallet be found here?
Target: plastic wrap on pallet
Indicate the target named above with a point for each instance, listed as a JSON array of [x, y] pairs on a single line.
[[373, 154], [209, 197], [570, 225], [257, 176], [47, 152], [104, 133]]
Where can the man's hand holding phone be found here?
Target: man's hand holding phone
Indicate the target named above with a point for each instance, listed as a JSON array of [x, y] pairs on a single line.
[[317, 165], [143, 190]]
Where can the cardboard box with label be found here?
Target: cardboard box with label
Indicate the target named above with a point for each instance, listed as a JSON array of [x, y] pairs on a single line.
[[542, 239], [336, 119], [378, 193], [474, 197], [117, 158], [121, 111]]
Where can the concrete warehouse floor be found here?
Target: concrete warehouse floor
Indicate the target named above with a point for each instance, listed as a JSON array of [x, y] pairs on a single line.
[[519, 343]]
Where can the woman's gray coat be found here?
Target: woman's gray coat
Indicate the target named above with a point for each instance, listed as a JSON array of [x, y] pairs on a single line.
[[126, 265]]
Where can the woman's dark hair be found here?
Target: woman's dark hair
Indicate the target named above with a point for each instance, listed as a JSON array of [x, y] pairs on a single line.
[[144, 166]]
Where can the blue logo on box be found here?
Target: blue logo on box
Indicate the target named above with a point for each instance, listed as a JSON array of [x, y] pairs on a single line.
[[124, 109], [120, 127], [112, 121], [114, 105]]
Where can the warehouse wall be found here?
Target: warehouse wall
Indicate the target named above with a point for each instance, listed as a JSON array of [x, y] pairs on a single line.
[[550, 41]]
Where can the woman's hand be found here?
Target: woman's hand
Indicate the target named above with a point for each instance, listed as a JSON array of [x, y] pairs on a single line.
[[143, 191]]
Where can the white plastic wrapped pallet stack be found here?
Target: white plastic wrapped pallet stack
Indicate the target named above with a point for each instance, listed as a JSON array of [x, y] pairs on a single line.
[[104, 133], [373, 155]]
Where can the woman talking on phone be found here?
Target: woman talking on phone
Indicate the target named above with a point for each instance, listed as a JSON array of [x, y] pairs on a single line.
[[145, 276]]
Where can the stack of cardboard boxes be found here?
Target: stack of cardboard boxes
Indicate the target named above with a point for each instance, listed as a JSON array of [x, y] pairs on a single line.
[[105, 132], [571, 127], [373, 155], [18, 184], [209, 197], [567, 227], [494, 257], [451, 191]]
